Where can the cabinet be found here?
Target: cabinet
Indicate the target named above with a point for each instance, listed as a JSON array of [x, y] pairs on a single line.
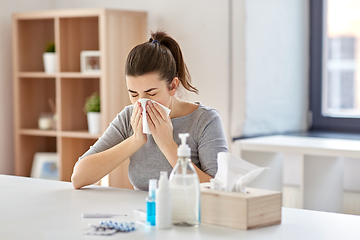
[[113, 33]]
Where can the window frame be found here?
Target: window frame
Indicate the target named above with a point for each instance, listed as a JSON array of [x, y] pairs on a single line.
[[318, 121]]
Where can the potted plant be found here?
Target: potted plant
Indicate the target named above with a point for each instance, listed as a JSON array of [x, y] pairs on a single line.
[[92, 110], [49, 58]]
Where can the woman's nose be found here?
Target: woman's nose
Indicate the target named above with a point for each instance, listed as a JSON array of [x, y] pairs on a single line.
[[142, 97]]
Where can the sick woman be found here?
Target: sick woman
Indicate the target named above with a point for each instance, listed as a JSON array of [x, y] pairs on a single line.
[[155, 70]]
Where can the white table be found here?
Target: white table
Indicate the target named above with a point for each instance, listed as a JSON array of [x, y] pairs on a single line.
[[44, 209], [322, 166]]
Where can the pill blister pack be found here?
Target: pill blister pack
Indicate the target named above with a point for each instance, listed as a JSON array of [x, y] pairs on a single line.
[[109, 228]]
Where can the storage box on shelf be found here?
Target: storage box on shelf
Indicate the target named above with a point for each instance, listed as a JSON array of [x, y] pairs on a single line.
[[113, 33]]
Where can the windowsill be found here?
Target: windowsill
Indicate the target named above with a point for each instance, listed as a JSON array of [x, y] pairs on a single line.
[[312, 133], [326, 134]]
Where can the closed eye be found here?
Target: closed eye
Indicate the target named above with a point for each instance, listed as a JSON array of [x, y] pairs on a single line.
[[133, 93]]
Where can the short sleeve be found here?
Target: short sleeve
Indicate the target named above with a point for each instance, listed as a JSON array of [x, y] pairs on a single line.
[[118, 130], [211, 140]]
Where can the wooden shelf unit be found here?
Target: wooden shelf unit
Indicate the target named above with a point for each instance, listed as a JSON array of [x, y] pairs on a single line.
[[113, 33]]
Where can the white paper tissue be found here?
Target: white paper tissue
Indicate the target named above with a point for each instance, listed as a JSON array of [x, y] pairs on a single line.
[[234, 173], [143, 101]]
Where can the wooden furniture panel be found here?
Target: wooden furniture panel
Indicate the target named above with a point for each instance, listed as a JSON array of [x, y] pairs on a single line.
[[73, 94], [34, 96], [29, 146], [117, 47], [33, 36], [77, 34], [71, 150]]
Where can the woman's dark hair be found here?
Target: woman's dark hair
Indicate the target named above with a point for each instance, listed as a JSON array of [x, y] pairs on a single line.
[[161, 54]]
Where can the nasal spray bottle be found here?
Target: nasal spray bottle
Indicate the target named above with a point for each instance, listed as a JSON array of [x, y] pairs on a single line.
[[150, 202], [185, 188], [163, 203]]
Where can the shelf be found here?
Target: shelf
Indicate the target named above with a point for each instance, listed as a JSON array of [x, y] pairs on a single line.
[[79, 134], [84, 134], [79, 75], [36, 75], [61, 74], [38, 132]]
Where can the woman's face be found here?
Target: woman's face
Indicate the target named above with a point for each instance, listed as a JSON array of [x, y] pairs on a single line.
[[149, 86]]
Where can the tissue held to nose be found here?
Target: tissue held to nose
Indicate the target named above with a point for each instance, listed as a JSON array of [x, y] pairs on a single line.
[[145, 124], [234, 173]]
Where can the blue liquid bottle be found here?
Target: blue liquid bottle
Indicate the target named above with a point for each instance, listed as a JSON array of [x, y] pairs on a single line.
[[150, 202]]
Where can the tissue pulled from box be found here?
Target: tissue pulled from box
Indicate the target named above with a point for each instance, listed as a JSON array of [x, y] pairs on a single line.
[[234, 173]]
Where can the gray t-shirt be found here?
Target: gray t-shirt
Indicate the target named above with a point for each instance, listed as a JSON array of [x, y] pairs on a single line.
[[206, 139]]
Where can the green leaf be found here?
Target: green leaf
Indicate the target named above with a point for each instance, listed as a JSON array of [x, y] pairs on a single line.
[[50, 47], [92, 103]]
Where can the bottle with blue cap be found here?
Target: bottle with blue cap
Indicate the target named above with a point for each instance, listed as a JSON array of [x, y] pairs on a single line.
[[151, 202], [185, 188]]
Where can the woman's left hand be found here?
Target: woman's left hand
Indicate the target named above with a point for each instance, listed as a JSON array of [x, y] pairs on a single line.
[[161, 128]]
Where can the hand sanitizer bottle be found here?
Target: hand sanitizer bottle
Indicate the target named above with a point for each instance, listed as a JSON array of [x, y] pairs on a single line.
[[150, 202], [163, 203], [185, 188]]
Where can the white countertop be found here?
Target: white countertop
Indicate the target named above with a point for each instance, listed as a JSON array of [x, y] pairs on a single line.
[[45, 209]]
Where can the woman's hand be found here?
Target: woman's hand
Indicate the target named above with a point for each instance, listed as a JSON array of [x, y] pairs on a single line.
[[162, 130], [136, 123]]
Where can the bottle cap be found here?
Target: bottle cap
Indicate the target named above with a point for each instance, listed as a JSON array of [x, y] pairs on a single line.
[[184, 149], [152, 187], [163, 181]]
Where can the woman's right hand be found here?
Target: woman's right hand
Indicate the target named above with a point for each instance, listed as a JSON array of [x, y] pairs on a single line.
[[136, 123]]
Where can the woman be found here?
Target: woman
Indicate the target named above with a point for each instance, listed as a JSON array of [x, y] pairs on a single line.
[[155, 70]]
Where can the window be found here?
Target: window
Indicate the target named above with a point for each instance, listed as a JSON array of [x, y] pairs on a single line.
[[335, 65]]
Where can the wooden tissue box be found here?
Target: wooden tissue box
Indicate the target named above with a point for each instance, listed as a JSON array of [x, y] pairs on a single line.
[[256, 208]]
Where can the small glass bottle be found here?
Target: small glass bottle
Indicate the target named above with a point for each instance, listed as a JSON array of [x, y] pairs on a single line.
[[150, 202], [185, 188]]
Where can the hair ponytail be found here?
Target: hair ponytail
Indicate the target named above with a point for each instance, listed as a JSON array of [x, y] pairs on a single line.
[[161, 54]]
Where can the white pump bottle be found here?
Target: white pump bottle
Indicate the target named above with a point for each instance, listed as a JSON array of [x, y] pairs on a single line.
[[185, 188]]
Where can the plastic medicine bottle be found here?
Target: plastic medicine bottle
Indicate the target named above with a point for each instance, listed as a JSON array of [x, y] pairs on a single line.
[[163, 203], [185, 188], [150, 202]]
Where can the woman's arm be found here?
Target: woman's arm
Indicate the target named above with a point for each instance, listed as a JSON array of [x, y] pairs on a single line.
[[94, 167], [113, 151]]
